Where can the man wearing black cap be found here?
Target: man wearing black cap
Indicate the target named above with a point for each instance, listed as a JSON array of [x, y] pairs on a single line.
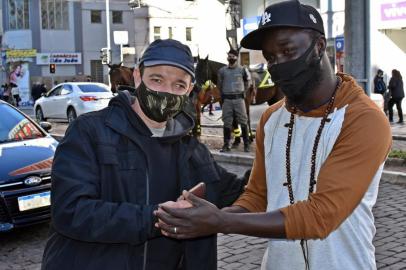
[[319, 158], [232, 82], [115, 166]]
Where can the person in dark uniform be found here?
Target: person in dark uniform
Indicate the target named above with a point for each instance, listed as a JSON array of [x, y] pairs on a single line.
[[232, 82]]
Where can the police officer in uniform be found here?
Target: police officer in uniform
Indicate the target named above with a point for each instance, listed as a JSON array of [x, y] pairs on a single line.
[[232, 82]]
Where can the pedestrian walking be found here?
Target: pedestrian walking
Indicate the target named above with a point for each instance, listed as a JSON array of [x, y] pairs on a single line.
[[396, 95], [2, 91], [15, 92], [319, 158], [380, 88], [6, 92], [115, 166], [37, 90], [379, 84], [232, 82]]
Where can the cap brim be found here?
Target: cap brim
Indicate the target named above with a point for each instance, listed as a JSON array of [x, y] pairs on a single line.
[[169, 63], [254, 39]]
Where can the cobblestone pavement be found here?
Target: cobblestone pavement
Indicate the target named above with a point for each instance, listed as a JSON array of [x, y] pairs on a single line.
[[243, 252], [22, 249]]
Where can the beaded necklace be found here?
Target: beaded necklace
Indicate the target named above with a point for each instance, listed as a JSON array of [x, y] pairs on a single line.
[[312, 182]]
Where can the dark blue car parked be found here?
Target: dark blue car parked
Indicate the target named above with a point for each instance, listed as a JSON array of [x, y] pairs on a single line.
[[26, 154]]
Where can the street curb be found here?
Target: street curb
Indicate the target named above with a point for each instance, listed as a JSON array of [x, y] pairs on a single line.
[[393, 177], [394, 137], [58, 137], [399, 137], [233, 158]]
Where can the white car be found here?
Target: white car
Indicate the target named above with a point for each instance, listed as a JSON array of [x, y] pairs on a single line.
[[69, 100]]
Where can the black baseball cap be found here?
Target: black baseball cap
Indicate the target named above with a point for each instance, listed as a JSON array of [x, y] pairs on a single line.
[[168, 52], [284, 14]]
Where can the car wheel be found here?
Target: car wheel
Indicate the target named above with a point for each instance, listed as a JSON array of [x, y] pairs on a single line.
[[71, 115], [39, 115]]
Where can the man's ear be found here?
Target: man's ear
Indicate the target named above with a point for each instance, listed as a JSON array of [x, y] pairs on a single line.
[[137, 77], [190, 88], [322, 45]]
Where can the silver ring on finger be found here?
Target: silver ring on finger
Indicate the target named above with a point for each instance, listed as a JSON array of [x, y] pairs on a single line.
[[175, 230]]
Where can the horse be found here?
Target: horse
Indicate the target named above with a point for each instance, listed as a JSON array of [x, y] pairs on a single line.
[[207, 70], [120, 75]]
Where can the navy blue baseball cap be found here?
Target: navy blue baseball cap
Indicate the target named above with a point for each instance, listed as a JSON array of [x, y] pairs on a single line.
[[168, 52], [284, 14]]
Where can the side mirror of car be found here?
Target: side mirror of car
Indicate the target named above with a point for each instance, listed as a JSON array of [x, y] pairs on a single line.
[[43, 94], [46, 125]]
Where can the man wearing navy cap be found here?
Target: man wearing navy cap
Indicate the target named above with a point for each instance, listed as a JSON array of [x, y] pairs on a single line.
[[319, 158], [115, 166]]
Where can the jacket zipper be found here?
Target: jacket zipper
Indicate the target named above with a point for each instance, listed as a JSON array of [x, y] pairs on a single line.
[[146, 243]]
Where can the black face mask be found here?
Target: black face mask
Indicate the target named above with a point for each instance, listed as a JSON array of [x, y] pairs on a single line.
[[297, 78], [159, 106], [231, 61]]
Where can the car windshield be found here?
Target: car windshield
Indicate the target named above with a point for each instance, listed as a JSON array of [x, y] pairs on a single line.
[[16, 127], [92, 88]]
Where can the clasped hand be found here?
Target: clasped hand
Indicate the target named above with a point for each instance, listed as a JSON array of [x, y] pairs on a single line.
[[189, 217]]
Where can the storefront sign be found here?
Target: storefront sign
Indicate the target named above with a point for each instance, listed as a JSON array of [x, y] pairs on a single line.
[[21, 53], [393, 11], [339, 44], [59, 58]]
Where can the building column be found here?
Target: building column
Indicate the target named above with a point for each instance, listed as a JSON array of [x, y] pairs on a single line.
[[357, 41]]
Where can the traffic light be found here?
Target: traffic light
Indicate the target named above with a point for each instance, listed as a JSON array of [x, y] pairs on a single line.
[[134, 4], [105, 55], [52, 68]]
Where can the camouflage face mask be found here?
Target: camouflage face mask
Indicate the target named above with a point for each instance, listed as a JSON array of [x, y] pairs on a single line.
[[159, 106]]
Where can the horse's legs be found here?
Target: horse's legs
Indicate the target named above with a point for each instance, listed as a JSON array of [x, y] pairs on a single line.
[[197, 130], [211, 108], [250, 95]]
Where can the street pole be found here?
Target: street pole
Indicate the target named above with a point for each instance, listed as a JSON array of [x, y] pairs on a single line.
[[121, 53], [330, 19], [356, 39], [108, 33], [367, 17]]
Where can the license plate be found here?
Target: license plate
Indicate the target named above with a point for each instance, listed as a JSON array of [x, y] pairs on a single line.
[[34, 201]]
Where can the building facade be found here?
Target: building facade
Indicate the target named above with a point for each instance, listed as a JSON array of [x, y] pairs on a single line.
[[70, 34]]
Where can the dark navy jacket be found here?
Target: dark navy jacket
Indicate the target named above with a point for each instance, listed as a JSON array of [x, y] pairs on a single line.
[[102, 215]]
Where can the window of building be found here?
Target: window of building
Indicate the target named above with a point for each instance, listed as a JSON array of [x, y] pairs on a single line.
[[55, 14], [157, 32], [117, 16], [170, 32], [245, 58], [95, 16], [96, 71], [188, 33], [18, 14]]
